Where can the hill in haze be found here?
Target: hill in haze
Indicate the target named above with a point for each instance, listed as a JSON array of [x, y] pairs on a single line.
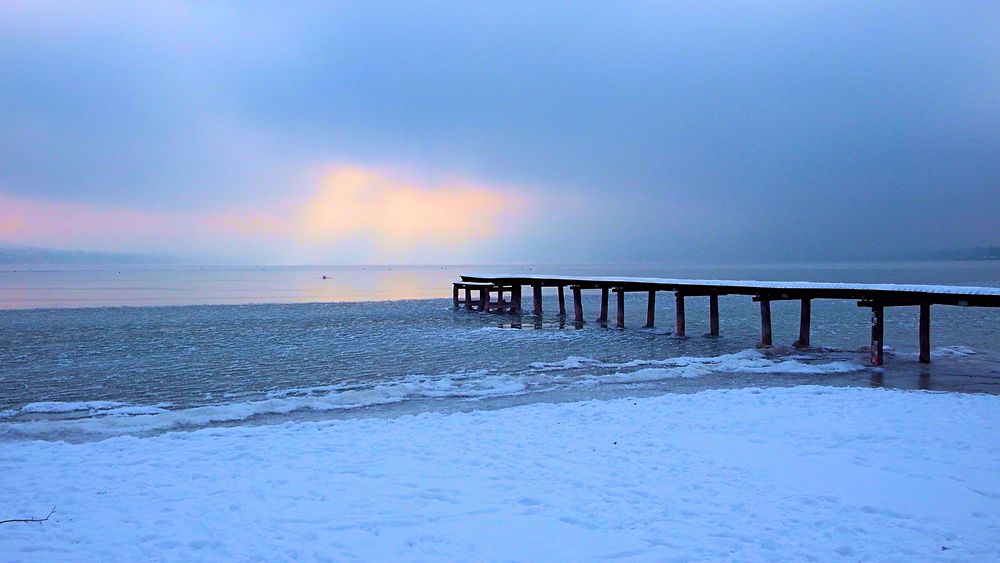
[[11, 254]]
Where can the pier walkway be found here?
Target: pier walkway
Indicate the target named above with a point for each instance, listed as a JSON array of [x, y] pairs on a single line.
[[874, 296]]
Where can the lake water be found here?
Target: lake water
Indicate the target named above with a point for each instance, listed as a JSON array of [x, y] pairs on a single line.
[[87, 353]]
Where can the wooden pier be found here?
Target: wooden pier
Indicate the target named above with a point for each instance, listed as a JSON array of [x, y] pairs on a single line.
[[876, 297]]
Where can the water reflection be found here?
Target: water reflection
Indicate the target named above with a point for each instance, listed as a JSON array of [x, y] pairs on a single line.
[[376, 284], [62, 286], [924, 380]]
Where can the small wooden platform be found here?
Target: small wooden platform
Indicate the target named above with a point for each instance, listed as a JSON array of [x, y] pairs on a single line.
[[875, 296], [462, 296]]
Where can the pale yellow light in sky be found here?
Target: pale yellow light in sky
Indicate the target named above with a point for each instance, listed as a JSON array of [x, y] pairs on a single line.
[[398, 214], [351, 205]]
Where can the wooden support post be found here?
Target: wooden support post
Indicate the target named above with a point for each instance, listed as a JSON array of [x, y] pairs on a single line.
[[765, 323], [805, 318], [620, 317], [562, 302], [925, 333], [500, 307], [468, 298], [651, 309], [878, 334], [604, 306], [454, 294], [515, 299], [679, 307], [577, 304], [713, 315], [536, 299], [484, 299]]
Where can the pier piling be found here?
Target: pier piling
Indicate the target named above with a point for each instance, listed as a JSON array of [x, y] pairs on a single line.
[[651, 309], [620, 320], [515, 299], [878, 334], [577, 304], [679, 330], [925, 333], [713, 314], [562, 302], [603, 318], [765, 323], [805, 318], [536, 298]]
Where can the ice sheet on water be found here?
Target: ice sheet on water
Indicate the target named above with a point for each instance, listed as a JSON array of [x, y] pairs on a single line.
[[122, 418], [508, 333], [747, 361], [105, 418], [952, 351], [572, 362], [54, 407]]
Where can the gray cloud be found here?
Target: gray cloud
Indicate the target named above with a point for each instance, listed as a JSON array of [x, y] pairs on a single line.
[[710, 131]]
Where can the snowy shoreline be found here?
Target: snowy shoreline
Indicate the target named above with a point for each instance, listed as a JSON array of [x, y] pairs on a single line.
[[98, 419], [781, 473]]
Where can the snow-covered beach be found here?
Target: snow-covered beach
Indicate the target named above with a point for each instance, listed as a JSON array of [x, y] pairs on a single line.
[[796, 473], [495, 281]]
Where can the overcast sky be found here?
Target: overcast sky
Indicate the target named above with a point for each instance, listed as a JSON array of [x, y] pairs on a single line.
[[328, 132]]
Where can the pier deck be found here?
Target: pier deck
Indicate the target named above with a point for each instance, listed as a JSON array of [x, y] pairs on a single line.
[[875, 296]]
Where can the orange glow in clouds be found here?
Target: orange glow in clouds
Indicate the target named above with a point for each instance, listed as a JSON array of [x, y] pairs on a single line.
[[46, 222], [352, 208], [399, 215]]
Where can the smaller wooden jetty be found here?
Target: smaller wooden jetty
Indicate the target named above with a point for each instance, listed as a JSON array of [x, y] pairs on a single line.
[[491, 294]]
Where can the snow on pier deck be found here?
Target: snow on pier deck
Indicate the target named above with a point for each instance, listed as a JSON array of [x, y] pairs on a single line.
[[875, 296], [934, 294]]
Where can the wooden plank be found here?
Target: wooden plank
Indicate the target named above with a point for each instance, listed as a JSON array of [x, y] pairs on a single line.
[[651, 309], [680, 329], [925, 334], [562, 302], [536, 299], [765, 323], [713, 315], [878, 335], [805, 318]]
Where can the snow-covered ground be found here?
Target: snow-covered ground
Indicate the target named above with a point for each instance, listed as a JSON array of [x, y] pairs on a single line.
[[778, 474]]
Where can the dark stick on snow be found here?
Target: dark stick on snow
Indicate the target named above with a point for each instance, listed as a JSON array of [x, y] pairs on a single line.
[[30, 519]]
